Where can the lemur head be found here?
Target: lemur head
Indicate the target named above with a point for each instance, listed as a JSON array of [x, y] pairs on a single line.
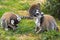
[[16, 20], [35, 10]]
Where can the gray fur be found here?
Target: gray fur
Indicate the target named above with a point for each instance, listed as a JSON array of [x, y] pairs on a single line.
[[6, 21], [51, 25], [4, 24], [42, 22]]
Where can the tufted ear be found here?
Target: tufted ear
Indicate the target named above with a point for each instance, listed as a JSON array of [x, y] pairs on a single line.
[[38, 4], [42, 13], [33, 9]]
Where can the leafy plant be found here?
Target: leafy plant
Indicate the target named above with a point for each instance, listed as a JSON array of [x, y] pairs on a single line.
[[52, 7]]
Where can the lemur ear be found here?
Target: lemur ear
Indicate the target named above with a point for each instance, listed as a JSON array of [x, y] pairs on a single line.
[[38, 4], [42, 14], [33, 8]]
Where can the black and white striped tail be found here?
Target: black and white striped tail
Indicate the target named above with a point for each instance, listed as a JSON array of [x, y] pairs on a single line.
[[26, 17]]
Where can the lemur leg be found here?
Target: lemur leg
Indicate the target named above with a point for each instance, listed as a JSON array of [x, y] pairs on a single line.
[[36, 28], [51, 26], [55, 26], [40, 30], [4, 24], [12, 26], [48, 27]]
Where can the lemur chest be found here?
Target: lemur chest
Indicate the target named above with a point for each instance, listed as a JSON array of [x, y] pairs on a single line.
[[37, 22]]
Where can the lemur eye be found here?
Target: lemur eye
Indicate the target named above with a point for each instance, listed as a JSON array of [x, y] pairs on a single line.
[[37, 14]]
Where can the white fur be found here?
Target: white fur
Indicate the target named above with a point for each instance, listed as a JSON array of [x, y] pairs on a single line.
[[2, 21], [37, 22], [37, 11], [42, 13], [39, 16], [6, 29], [18, 18], [53, 26], [12, 22]]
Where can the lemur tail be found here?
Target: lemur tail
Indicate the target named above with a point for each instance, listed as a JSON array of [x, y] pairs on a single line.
[[26, 17]]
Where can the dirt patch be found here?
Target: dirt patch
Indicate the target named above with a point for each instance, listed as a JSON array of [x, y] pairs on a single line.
[[29, 37]]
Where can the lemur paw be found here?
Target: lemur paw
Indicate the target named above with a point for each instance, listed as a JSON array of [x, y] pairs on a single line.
[[6, 29]]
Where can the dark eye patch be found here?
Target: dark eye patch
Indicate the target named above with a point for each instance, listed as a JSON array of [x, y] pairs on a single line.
[[37, 14]]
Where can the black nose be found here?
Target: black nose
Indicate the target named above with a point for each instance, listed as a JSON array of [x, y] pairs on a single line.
[[35, 15]]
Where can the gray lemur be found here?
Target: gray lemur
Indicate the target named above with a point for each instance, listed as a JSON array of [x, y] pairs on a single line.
[[9, 20], [43, 22]]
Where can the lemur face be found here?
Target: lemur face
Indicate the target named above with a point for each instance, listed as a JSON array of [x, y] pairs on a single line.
[[15, 21], [35, 10], [10, 20], [37, 13]]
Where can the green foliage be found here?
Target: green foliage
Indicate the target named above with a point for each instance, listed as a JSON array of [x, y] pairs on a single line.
[[3, 10], [15, 5], [25, 26], [51, 35], [52, 7]]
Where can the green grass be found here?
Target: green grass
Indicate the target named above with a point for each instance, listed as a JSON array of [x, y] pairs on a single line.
[[3, 10], [26, 27], [15, 5]]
